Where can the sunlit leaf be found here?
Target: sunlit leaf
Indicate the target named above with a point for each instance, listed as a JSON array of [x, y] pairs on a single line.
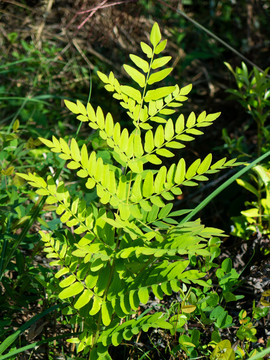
[[160, 62], [155, 35], [135, 75], [142, 64]]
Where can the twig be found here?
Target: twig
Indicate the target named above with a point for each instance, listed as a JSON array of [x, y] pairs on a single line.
[[41, 27], [75, 43]]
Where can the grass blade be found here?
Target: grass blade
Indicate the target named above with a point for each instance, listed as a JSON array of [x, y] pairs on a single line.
[[12, 338]]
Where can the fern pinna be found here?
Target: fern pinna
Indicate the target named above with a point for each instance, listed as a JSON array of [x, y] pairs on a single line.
[[128, 245]]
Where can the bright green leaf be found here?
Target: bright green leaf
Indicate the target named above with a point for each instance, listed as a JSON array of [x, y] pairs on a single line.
[[159, 75], [135, 75], [160, 62], [155, 35]]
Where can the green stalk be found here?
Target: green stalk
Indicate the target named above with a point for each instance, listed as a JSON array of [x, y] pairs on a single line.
[[223, 187]]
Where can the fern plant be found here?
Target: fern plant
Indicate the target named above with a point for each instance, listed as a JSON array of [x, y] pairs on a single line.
[[128, 245]]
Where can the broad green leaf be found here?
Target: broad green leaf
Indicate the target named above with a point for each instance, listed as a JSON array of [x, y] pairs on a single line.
[[96, 306], [156, 200], [82, 173], [143, 294], [73, 165], [84, 299], [157, 291], [187, 309], [134, 299], [65, 217], [184, 137], [124, 211], [125, 305], [201, 117], [122, 188], [158, 119], [117, 338], [165, 211], [138, 149], [191, 120], [144, 113], [153, 159], [230, 162], [146, 49], [99, 169], [130, 146], [205, 164], [75, 151], [164, 152], [180, 171], [91, 112], [166, 288], [63, 251], [91, 280], [46, 142], [185, 90], [56, 144], [132, 93], [194, 131], [64, 146], [175, 145], [152, 109], [103, 77], [106, 313], [158, 93], [81, 107], [72, 290], [223, 351], [149, 141], [90, 183], [160, 62], [180, 124], [123, 140], [135, 75], [170, 176], [136, 165], [148, 185], [246, 185], [155, 35], [159, 75], [160, 179], [160, 47], [212, 117], [100, 118], [136, 194], [169, 130], [61, 272], [218, 164], [142, 64], [193, 169], [159, 136], [72, 107], [145, 126], [145, 205], [109, 124], [250, 213], [51, 200]]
